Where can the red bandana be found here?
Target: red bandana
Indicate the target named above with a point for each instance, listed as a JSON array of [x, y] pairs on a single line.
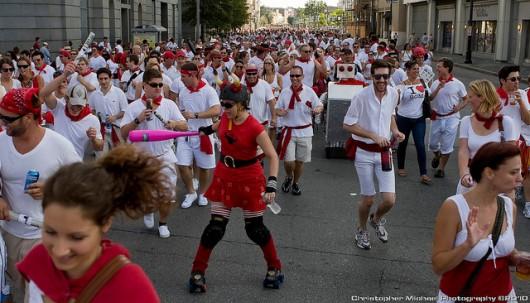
[[487, 121], [155, 100], [84, 112], [250, 86], [304, 60], [450, 78], [41, 69], [88, 72], [226, 59], [295, 96], [20, 101], [503, 95], [196, 90]]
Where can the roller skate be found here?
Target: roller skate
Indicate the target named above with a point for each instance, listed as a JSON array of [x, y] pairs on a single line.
[[273, 279], [197, 283]]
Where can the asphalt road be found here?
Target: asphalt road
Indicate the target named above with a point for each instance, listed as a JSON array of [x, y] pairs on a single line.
[[314, 237]]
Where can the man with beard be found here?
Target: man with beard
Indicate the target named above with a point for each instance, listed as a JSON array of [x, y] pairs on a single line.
[[372, 123], [26, 146]]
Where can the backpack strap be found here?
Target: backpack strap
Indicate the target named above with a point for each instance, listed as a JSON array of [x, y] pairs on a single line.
[[101, 278]]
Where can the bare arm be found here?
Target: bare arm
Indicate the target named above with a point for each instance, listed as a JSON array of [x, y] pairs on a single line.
[[89, 87], [463, 157], [272, 104], [268, 149], [212, 112]]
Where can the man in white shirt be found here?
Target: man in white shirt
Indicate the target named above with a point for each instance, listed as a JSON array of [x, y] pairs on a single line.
[[296, 105], [41, 68], [131, 77], [216, 73], [171, 45], [309, 65], [118, 48], [109, 104], [153, 112], [262, 99], [199, 104], [449, 96], [257, 60], [26, 146], [96, 61], [372, 123], [168, 66], [105, 44]]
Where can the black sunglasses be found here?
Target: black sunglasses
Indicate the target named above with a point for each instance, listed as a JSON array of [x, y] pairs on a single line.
[[379, 76], [295, 76], [227, 105], [252, 74], [156, 85], [8, 120], [513, 79], [10, 69], [22, 66]]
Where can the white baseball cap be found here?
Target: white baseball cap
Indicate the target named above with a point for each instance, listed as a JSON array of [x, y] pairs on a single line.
[[77, 95]]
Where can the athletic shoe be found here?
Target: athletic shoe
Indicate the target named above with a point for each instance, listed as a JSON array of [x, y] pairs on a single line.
[[526, 210], [273, 279], [362, 239], [202, 200], [163, 231], [286, 185], [149, 220], [439, 173], [197, 283], [296, 189], [195, 184], [379, 227], [188, 201], [436, 160]]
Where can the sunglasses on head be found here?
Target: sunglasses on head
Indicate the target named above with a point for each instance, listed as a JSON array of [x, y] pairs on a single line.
[[379, 76], [227, 105], [296, 76], [10, 69], [514, 79], [156, 85], [22, 66], [8, 120]]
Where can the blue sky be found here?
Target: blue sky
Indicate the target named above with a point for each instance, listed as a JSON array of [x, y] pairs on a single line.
[[291, 3]]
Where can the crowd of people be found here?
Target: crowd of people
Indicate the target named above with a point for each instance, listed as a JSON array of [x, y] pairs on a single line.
[[251, 97]]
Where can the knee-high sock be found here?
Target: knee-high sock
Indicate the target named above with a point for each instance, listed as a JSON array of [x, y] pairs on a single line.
[[200, 263], [270, 254]]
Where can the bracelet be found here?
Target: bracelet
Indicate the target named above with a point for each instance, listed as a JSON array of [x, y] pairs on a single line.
[[272, 184], [207, 130]]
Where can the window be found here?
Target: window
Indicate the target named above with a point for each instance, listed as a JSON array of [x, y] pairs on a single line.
[[484, 36]]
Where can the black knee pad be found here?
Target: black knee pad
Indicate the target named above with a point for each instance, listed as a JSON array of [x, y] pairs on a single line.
[[214, 232], [257, 231]]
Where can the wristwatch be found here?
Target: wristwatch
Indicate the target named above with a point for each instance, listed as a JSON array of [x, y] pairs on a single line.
[[196, 115], [136, 121]]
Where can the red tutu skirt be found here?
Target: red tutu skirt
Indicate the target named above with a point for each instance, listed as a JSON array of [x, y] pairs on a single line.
[[245, 194]]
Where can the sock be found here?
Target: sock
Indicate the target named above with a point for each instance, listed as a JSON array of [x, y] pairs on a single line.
[[200, 263], [271, 256]]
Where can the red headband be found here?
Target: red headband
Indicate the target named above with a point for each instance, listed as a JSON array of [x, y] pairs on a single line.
[[251, 70], [20, 101], [188, 72]]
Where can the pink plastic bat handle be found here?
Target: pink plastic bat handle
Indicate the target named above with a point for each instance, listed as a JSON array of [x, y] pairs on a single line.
[[158, 135]]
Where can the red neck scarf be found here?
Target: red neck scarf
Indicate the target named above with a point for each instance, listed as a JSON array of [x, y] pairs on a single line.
[[226, 59], [304, 60], [503, 95], [250, 86], [88, 72], [487, 121], [295, 96], [450, 78], [84, 112], [239, 74], [155, 100], [196, 90], [42, 69]]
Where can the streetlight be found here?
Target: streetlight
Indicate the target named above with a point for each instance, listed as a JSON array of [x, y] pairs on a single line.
[[198, 18], [469, 31]]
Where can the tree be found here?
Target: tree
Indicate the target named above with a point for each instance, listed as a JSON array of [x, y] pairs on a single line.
[[219, 15], [266, 16], [313, 10], [290, 20]]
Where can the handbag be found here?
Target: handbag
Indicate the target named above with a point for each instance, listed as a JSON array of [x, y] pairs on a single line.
[[495, 234], [426, 104], [100, 279]]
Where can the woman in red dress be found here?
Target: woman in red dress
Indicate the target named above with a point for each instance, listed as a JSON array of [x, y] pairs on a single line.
[[239, 181]]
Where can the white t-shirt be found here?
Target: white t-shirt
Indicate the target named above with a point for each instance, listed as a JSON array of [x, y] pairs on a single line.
[[475, 141], [46, 73], [309, 71], [52, 152], [258, 62], [448, 96], [286, 80], [96, 63], [110, 104], [302, 114], [92, 78], [75, 132], [196, 102], [399, 76], [371, 115], [130, 90], [171, 72], [514, 112], [16, 84], [119, 49], [167, 110], [211, 78], [259, 101], [411, 100]]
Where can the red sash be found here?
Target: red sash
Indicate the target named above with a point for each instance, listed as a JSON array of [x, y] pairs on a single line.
[[285, 138]]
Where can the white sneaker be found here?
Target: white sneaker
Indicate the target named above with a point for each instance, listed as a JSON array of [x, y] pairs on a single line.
[[163, 231], [202, 200], [195, 184], [149, 220], [188, 201], [526, 210]]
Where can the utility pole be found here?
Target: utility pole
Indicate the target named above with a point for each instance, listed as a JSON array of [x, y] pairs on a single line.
[[469, 32], [198, 18]]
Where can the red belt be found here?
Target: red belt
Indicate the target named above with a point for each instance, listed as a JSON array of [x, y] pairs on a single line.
[[285, 138], [434, 114]]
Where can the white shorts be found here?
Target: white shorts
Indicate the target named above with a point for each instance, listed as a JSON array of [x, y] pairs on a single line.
[[369, 163], [189, 150], [299, 149], [443, 135], [171, 172]]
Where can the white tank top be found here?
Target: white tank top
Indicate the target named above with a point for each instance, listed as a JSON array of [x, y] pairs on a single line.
[[506, 243]]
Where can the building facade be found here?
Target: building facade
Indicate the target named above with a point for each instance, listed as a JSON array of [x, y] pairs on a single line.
[[60, 21]]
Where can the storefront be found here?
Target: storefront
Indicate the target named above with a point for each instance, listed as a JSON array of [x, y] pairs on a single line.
[[445, 34], [484, 29]]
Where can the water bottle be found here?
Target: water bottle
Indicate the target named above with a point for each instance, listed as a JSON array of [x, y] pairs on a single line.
[[108, 126], [318, 118], [274, 207], [32, 176]]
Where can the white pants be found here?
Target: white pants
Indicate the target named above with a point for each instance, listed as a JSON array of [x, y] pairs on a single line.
[[368, 164], [443, 135]]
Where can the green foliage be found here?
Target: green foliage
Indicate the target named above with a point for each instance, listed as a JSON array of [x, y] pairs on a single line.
[[266, 16], [216, 14], [290, 20]]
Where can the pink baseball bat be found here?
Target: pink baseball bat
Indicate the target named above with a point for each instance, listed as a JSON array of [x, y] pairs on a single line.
[[158, 135]]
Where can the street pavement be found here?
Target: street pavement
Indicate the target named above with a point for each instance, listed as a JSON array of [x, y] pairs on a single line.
[[314, 238]]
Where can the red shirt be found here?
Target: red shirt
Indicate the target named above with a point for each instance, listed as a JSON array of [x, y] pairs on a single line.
[[129, 284]]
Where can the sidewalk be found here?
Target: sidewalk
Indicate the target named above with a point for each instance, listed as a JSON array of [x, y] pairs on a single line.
[[487, 66]]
